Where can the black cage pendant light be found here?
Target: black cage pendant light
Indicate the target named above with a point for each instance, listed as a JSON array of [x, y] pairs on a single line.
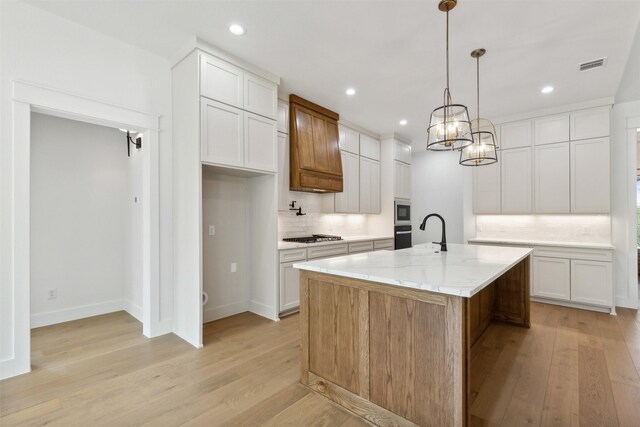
[[449, 126], [484, 150]]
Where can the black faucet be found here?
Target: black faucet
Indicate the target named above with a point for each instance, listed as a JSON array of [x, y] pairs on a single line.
[[443, 243]]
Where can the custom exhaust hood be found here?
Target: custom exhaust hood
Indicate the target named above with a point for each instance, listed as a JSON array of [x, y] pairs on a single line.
[[316, 165]]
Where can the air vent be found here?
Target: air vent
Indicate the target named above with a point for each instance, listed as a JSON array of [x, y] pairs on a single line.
[[597, 63]]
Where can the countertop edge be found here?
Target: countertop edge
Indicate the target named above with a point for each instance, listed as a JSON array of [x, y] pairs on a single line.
[[283, 246], [573, 245]]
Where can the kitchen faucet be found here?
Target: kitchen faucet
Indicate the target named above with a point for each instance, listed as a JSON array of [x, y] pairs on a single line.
[[443, 243]]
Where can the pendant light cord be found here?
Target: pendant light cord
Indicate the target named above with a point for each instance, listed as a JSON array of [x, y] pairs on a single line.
[[478, 90], [447, 50]]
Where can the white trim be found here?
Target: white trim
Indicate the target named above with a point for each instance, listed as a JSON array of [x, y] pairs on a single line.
[[132, 308], [555, 110], [632, 258], [74, 313], [8, 369], [626, 302], [396, 137], [214, 313], [359, 128], [263, 310], [610, 310]]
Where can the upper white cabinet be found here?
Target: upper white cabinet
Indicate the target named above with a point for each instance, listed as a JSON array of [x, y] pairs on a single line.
[[222, 133], [369, 186], [349, 140], [349, 200], [401, 152], [283, 116], [486, 189], [260, 149], [283, 171], [229, 84], [369, 147], [552, 178], [590, 176], [590, 123], [551, 278], [516, 134], [221, 81], [516, 188], [401, 180], [551, 129]]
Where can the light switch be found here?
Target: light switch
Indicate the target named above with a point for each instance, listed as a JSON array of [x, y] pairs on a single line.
[[233, 267], [212, 230]]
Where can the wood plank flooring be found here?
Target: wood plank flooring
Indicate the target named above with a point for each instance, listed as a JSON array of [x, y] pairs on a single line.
[[572, 368]]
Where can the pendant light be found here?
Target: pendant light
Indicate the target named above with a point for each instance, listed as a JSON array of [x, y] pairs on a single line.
[[449, 126], [484, 150]]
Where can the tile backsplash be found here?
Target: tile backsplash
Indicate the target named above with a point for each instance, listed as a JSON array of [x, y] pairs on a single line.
[[552, 228]]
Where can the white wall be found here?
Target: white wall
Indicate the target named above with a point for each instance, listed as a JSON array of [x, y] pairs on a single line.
[[438, 186], [629, 88], [82, 239], [41, 48]]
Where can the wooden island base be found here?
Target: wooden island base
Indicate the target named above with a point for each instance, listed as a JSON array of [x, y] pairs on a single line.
[[397, 356]]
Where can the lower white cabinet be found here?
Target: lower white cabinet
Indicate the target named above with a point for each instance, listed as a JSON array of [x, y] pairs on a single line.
[[369, 186], [289, 287], [592, 282], [552, 278]]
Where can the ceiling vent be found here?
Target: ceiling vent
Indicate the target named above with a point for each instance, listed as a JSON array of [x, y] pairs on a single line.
[[597, 63]]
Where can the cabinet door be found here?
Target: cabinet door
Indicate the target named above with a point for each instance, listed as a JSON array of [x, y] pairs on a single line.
[[369, 147], [221, 81], [349, 140], [552, 179], [260, 96], [551, 129], [374, 190], [552, 278], [401, 180], [222, 133], [406, 182], [401, 152], [590, 123], [283, 116], [590, 176], [516, 181], [289, 287], [486, 189], [516, 134], [365, 185], [260, 143], [592, 282], [283, 172], [349, 200]]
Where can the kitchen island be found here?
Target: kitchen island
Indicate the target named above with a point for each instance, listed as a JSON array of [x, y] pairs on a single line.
[[388, 335]]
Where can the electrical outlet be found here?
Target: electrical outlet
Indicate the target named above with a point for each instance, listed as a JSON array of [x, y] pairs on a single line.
[[212, 230], [234, 267], [586, 229], [53, 294]]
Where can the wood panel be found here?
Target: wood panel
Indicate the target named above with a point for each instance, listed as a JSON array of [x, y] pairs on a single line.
[[512, 295], [480, 312]]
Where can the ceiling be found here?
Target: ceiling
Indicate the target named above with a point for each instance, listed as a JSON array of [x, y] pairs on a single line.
[[392, 52]]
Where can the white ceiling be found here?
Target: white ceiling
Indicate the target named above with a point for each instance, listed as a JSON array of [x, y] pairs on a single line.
[[392, 52]]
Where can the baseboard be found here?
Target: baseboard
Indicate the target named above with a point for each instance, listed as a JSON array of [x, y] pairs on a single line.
[[263, 310], [214, 313], [626, 303], [572, 304], [133, 309], [75, 313], [9, 368]]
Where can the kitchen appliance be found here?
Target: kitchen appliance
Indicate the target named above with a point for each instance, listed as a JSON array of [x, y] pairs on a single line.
[[314, 238], [402, 236], [401, 212]]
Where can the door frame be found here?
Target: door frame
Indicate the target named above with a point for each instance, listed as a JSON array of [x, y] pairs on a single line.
[[27, 98], [632, 126]]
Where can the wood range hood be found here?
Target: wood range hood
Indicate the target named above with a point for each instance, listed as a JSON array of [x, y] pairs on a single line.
[[315, 162]]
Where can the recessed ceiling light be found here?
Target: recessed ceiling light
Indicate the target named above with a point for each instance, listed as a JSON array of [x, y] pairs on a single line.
[[237, 29], [403, 122], [351, 91], [547, 89]]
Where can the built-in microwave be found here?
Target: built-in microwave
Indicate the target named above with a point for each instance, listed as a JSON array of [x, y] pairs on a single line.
[[401, 212]]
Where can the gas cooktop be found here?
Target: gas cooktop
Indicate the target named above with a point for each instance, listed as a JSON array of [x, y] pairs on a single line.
[[314, 238]]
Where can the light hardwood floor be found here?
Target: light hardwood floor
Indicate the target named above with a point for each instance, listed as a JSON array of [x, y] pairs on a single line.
[[572, 367]]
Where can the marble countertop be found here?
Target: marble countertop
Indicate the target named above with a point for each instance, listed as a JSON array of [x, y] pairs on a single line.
[[463, 270], [579, 245], [346, 239]]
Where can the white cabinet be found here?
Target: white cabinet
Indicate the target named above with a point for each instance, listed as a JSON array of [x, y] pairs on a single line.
[[590, 176], [283, 116], [221, 81], [552, 178], [349, 200], [401, 152], [516, 134], [283, 172], [401, 180], [516, 180], [551, 129], [349, 140], [222, 133], [369, 186], [590, 123], [369, 147], [289, 287], [552, 278], [259, 143], [384, 245], [260, 96], [361, 247], [592, 282], [486, 189]]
